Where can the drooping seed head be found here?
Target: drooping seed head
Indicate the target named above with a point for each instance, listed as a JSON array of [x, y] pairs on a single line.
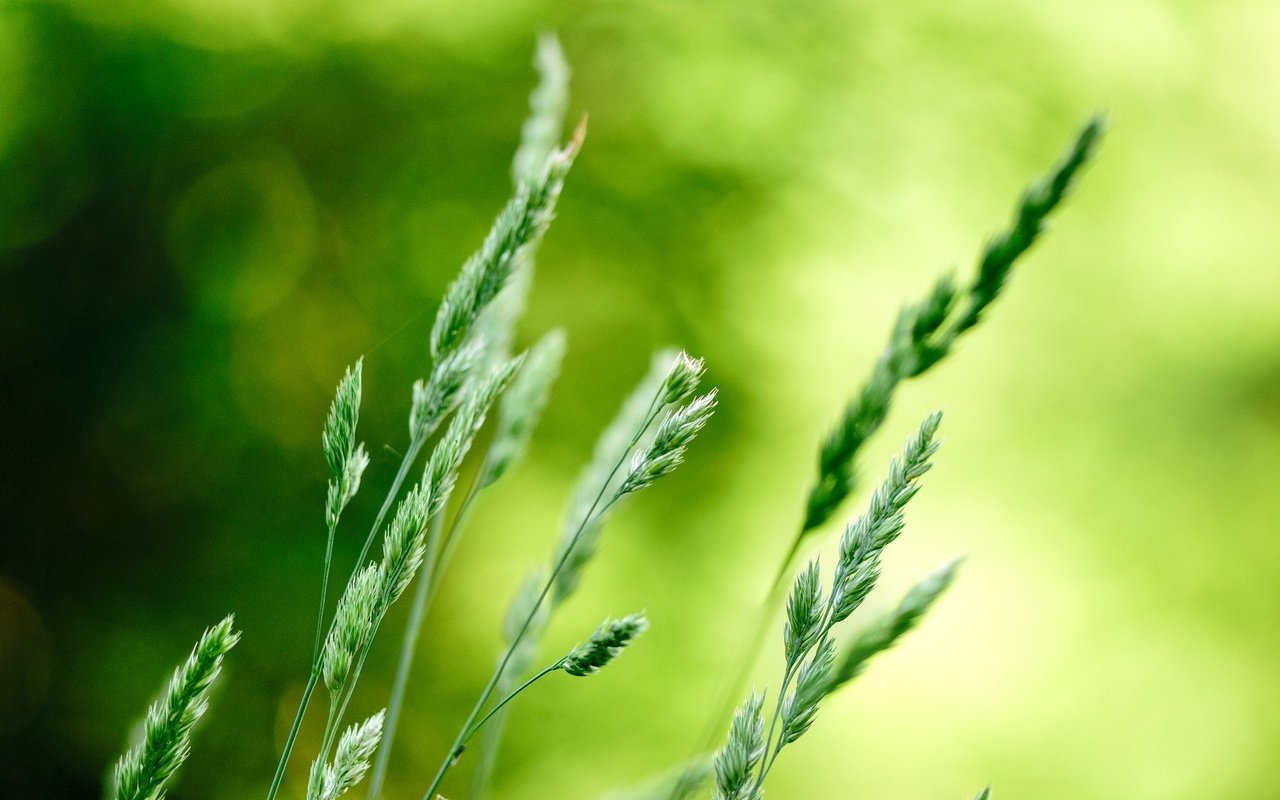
[[604, 645]]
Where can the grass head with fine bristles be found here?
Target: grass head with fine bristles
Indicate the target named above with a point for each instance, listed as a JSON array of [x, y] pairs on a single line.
[[605, 644], [143, 772], [926, 332], [350, 762], [472, 378], [737, 761]]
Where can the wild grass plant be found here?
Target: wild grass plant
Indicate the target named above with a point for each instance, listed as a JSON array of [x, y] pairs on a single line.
[[474, 377]]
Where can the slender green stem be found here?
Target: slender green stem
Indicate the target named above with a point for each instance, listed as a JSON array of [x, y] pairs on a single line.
[[410, 456], [787, 676], [324, 596], [315, 667], [654, 408], [511, 696], [293, 731], [323, 757]]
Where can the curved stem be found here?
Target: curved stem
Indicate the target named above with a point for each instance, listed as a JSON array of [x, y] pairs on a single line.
[[511, 696], [487, 692]]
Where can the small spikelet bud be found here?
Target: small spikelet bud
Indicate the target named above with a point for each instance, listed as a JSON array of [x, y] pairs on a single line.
[[669, 443], [737, 760], [604, 645], [353, 623], [340, 427], [350, 762], [686, 373], [804, 613]]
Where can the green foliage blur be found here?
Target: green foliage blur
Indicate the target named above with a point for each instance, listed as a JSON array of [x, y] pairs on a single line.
[[208, 208]]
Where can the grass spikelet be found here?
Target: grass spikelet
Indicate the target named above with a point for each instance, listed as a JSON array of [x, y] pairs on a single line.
[[350, 761], [885, 632], [441, 473], [801, 706], [666, 452], [737, 760], [547, 106], [340, 426], [353, 625], [921, 337], [866, 537], [683, 379], [522, 405], [539, 138], [610, 448], [804, 613], [434, 398], [1037, 203], [346, 459], [521, 223], [142, 772], [404, 544], [608, 641]]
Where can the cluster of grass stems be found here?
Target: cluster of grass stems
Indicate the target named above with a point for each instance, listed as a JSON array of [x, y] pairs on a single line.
[[474, 376]]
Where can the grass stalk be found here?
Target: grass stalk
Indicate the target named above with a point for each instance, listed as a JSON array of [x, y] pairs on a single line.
[[655, 406], [406, 462]]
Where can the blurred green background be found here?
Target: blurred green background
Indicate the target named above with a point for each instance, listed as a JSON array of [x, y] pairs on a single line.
[[209, 207]]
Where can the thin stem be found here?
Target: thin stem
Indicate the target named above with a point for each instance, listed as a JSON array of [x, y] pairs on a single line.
[[476, 728], [787, 675], [417, 615], [324, 596], [323, 757], [654, 408], [411, 455], [793, 668], [293, 731]]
